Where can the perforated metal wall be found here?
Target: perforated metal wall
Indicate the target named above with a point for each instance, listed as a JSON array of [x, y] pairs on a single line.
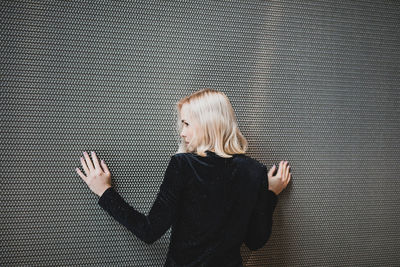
[[312, 82]]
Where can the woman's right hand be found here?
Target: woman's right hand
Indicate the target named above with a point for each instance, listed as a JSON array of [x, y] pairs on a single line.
[[279, 182]]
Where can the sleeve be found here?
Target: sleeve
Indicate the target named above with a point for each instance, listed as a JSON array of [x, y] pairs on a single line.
[[260, 225], [163, 212]]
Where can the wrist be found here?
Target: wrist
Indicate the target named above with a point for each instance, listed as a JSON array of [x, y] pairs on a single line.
[[104, 189], [274, 191]]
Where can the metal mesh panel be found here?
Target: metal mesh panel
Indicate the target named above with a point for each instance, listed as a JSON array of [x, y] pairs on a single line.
[[314, 83]]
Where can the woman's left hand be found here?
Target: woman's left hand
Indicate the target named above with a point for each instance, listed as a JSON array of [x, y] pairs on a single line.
[[98, 178]]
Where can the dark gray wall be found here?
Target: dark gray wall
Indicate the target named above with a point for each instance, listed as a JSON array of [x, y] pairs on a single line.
[[312, 82]]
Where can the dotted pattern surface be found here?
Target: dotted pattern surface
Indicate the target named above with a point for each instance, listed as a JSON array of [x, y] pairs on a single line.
[[312, 82]]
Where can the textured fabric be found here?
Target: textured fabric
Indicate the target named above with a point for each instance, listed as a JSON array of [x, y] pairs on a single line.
[[213, 204]]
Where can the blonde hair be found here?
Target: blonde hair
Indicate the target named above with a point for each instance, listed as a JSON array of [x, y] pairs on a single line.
[[218, 129]]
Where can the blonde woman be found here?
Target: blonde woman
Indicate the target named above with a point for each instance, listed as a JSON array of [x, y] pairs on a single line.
[[213, 196]]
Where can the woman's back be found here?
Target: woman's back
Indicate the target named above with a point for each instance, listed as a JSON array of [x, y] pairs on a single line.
[[217, 200]]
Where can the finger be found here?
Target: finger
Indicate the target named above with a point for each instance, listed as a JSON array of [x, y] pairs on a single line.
[[286, 170], [85, 168], [88, 161], [105, 168], [80, 174], [281, 168], [290, 176], [271, 170], [96, 161]]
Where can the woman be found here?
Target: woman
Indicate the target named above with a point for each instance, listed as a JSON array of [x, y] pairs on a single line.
[[213, 196]]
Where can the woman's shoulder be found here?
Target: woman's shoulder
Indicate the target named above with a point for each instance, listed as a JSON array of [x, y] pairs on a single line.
[[182, 155], [250, 161]]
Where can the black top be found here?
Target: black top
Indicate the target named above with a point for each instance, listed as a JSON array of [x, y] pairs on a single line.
[[213, 204]]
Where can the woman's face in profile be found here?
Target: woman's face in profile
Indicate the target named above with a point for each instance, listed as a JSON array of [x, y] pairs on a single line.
[[188, 126]]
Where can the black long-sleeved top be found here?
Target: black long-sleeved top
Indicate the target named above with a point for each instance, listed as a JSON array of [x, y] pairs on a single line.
[[213, 205]]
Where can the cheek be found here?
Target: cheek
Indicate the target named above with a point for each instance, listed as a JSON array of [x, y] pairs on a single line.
[[191, 132]]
